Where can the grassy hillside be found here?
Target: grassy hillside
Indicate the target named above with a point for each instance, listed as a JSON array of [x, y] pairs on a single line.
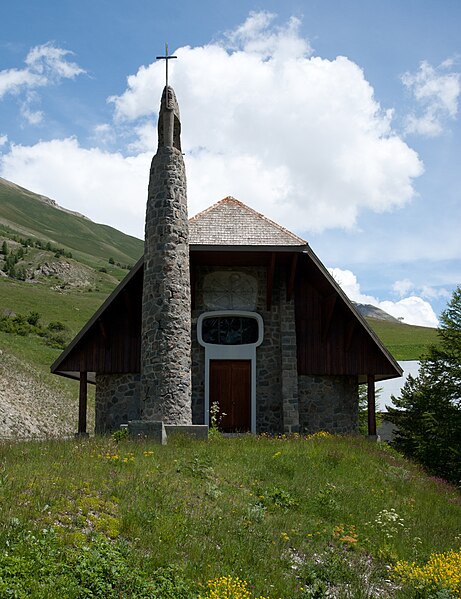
[[295, 518], [27, 214], [405, 342], [56, 268]]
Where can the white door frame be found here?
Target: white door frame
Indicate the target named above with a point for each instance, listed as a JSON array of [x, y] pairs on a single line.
[[230, 352]]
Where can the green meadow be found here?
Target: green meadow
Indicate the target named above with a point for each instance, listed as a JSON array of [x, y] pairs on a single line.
[[322, 516]]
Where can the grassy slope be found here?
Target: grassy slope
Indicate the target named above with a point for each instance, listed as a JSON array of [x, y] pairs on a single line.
[[281, 514], [90, 242], [405, 342]]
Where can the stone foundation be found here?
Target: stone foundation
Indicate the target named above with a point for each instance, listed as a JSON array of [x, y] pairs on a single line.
[[117, 401], [328, 403]]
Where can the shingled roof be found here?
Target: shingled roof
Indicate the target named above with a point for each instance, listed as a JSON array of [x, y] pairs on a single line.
[[229, 222]]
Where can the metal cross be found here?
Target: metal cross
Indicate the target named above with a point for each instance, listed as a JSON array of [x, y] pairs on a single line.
[[166, 58]]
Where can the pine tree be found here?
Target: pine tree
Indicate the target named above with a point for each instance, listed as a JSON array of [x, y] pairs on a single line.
[[429, 418]]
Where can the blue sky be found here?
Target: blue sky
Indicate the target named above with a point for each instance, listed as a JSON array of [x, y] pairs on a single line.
[[338, 119]]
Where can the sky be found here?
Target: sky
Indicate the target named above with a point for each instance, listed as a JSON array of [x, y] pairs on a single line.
[[337, 119]]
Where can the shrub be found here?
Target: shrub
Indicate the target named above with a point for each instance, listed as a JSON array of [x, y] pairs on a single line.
[[33, 318]]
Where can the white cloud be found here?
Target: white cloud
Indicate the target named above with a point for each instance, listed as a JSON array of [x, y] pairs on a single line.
[[403, 287], [104, 134], [45, 65], [33, 117], [411, 310], [51, 62], [436, 93], [300, 138], [315, 121], [3, 140], [434, 293], [107, 187], [256, 36]]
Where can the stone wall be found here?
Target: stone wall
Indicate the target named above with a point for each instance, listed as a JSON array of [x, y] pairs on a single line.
[[328, 403], [289, 365], [117, 401], [269, 407]]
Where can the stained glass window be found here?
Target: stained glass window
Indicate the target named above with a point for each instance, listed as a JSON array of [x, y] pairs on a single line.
[[230, 330]]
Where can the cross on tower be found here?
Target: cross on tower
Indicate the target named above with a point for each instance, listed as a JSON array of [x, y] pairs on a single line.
[[166, 58]]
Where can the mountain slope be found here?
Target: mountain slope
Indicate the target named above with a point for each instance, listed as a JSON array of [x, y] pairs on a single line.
[[32, 215]]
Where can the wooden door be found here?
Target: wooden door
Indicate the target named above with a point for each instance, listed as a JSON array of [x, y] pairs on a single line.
[[230, 388]]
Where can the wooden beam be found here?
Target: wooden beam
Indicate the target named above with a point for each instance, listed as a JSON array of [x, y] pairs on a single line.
[[270, 281], [291, 280], [82, 404], [328, 308], [371, 405]]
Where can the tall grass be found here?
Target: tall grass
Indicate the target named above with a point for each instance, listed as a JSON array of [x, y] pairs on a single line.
[[292, 517]]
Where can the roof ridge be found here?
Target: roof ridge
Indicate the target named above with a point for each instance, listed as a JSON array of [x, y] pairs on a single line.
[[259, 215]]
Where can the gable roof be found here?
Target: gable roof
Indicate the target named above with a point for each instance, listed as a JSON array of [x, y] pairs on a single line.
[[230, 222]]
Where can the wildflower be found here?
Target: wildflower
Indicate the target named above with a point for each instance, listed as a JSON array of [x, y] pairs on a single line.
[[276, 454], [227, 587], [442, 570], [284, 536]]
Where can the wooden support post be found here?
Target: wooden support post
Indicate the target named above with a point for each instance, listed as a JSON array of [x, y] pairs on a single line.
[[371, 406], [82, 404]]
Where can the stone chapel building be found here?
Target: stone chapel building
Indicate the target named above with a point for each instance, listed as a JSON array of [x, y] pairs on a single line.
[[225, 308]]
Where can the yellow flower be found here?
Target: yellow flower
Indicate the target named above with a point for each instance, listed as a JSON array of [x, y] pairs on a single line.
[[442, 569], [227, 587]]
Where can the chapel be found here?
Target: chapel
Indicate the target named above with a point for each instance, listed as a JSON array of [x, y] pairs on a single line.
[[226, 310]]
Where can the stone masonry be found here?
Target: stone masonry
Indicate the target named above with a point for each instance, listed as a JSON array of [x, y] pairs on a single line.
[[328, 403], [289, 366], [166, 311], [117, 401]]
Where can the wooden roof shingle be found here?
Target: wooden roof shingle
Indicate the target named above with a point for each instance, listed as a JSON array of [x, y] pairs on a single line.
[[230, 222]]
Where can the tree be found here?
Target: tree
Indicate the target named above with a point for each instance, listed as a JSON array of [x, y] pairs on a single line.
[[4, 248], [429, 418]]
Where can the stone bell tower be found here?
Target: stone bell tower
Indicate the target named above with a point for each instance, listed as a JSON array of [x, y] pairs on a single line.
[[166, 303]]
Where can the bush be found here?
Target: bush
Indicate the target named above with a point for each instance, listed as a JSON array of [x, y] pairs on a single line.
[[56, 326], [33, 318], [39, 565]]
